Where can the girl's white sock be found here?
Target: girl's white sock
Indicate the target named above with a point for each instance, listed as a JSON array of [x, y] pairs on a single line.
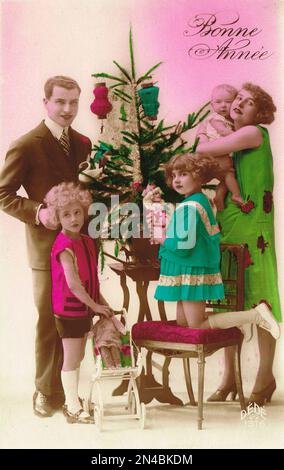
[[70, 385]]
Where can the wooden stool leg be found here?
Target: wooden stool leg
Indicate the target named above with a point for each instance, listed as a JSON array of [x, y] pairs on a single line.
[[166, 395], [238, 376], [166, 372], [201, 367], [187, 375]]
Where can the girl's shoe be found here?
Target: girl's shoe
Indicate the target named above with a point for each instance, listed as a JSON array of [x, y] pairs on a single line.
[[266, 320], [221, 394], [79, 417], [91, 406], [264, 396]]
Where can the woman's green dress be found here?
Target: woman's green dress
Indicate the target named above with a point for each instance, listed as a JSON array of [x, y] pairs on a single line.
[[254, 170]]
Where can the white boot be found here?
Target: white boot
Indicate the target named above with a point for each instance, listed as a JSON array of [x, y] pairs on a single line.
[[266, 320], [70, 385], [73, 408], [261, 316]]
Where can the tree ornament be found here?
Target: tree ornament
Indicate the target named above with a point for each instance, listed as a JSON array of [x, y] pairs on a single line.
[[89, 173], [100, 156], [101, 105], [149, 100], [134, 126]]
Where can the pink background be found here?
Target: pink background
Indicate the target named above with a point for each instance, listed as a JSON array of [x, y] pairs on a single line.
[[43, 37]]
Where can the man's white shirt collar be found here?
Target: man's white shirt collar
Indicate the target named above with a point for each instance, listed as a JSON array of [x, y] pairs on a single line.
[[55, 129]]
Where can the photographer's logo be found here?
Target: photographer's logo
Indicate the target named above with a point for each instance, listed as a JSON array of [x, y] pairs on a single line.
[[254, 415]]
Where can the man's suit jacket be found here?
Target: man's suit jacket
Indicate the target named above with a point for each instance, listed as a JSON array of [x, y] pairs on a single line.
[[37, 162]]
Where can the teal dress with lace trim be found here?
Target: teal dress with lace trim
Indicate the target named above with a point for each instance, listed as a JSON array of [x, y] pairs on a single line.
[[190, 255]]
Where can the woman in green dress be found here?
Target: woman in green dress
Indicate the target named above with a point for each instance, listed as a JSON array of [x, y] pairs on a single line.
[[251, 224]]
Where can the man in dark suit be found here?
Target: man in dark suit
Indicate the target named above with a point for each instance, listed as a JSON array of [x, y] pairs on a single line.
[[42, 158]]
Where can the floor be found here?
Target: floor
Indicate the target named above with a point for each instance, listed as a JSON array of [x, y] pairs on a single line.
[[167, 426]]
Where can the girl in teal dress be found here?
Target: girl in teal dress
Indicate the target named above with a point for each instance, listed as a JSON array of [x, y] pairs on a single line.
[[252, 224], [190, 254]]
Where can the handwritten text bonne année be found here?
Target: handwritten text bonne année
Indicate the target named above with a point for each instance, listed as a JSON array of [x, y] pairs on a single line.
[[224, 38]]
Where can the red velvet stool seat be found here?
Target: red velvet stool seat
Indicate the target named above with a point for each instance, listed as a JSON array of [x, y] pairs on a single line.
[[173, 341], [159, 330]]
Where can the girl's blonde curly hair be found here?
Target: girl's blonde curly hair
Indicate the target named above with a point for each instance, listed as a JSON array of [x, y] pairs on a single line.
[[202, 167], [63, 194]]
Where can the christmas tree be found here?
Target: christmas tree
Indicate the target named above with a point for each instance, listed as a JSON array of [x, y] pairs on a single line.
[[138, 145]]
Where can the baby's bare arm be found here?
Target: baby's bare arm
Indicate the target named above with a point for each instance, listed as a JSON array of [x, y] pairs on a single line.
[[201, 133], [220, 127]]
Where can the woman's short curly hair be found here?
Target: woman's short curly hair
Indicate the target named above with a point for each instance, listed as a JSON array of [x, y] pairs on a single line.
[[63, 194], [264, 102], [202, 167]]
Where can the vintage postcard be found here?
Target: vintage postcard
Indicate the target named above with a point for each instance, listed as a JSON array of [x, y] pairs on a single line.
[[188, 54]]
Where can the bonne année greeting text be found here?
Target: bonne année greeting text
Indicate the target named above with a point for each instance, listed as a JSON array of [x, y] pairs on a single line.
[[223, 38]]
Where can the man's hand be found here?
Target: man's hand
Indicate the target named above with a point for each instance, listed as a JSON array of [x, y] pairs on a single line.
[[44, 219]]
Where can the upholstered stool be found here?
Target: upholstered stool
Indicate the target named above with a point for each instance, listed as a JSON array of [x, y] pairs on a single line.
[[173, 341]]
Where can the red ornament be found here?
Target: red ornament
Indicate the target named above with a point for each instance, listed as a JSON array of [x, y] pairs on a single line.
[[101, 105], [136, 186]]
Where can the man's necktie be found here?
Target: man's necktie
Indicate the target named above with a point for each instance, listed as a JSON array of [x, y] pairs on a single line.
[[64, 142]]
